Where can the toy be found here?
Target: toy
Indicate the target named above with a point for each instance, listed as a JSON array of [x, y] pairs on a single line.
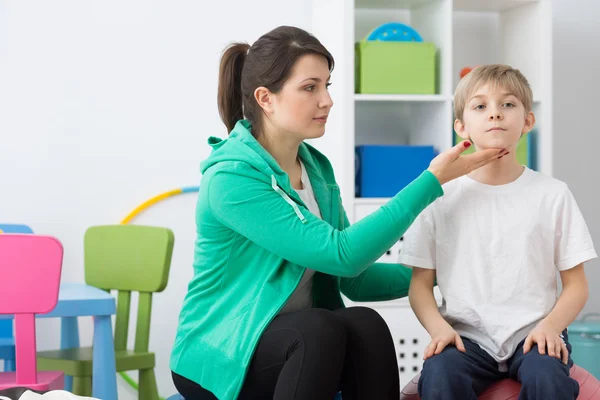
[[394, 32]]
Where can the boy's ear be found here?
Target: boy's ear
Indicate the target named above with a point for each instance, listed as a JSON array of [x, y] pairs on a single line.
[[529, 122], [459, 127]]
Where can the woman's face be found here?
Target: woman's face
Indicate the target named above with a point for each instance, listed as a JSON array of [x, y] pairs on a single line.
[[301, 108]]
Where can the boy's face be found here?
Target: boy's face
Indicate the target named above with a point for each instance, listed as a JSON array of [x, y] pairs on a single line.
[[494, 118]]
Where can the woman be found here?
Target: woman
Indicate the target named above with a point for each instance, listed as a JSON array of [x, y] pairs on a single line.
[[263, 317]]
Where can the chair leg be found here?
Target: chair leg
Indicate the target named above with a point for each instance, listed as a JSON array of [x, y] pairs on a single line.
[[82, 385], [147, 386]]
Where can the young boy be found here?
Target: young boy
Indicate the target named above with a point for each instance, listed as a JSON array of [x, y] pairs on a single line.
[[494, 242]]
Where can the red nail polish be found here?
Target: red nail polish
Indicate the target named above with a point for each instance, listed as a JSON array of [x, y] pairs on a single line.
[[467, 144]]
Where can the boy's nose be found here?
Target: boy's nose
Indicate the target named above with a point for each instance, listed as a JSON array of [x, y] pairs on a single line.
[[495, 116]]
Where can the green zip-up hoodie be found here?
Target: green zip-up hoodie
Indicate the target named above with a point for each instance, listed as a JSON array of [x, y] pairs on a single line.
[[255, 238]]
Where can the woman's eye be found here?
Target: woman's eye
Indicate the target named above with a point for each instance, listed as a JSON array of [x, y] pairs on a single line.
[[328, 84], [310, 88]]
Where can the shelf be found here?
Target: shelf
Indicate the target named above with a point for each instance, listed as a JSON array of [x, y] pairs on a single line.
[[402, 97], [392, 4], [489, 5]]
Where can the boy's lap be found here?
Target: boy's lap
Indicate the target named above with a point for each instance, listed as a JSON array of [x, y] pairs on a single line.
[[451, 360], [477, 361], [533, 362]]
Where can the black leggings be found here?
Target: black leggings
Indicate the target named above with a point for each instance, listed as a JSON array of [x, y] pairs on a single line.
[[313, 354]]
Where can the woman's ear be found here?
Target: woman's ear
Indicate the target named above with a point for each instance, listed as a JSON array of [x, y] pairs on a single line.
[[459, 127], [264, 98]]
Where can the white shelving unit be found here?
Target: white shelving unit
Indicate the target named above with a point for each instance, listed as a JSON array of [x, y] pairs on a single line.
[[465, 33]]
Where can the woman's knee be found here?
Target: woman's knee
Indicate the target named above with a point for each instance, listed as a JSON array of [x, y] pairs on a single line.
[[365, 320], [322, 327]]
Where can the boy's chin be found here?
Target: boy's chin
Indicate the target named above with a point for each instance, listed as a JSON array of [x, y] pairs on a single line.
[[494, 144]]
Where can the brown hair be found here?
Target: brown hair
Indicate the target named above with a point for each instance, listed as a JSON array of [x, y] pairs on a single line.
[[497, 74], [267, 63]]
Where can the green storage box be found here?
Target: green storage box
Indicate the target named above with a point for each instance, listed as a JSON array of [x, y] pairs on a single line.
[[395, 67]]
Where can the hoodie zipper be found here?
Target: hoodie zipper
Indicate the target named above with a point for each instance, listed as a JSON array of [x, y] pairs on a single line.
[[291, 202]]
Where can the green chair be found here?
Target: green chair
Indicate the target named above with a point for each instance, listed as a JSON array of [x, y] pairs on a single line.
[[125, 258]]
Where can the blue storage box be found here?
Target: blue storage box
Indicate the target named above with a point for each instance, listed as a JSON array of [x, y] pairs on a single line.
[[383, 170]]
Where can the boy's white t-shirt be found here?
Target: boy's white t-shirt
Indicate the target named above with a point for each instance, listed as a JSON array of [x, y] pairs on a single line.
[[496, 251]]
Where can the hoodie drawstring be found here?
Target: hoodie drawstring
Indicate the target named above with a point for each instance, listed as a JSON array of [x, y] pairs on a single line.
[[287, 199]]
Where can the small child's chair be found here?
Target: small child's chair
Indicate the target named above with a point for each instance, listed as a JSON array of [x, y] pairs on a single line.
[[30, 267], [508, 389], [125, 258], [7, 340]]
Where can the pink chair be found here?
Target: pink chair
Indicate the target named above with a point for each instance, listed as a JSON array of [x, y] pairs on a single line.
[[30, 267]]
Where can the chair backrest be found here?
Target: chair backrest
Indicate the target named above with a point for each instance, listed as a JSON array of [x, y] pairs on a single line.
[[6, 325], [15, 228], [30, 267], [129, 258]]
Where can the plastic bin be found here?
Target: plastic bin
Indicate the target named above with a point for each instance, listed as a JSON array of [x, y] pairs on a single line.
[[395, 67], [383, 170], [584, 336]]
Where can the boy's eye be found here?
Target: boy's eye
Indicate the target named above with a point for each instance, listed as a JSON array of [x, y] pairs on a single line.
[[509, 105], [479, 107]]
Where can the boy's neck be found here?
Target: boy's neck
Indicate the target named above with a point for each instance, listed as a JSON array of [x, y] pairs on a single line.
[[505, 170]]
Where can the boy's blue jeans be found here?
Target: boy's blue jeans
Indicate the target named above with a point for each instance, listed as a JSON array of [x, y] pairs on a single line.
[[463, 376]]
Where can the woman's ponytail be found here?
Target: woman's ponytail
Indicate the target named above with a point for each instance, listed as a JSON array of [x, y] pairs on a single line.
[[229, 97]]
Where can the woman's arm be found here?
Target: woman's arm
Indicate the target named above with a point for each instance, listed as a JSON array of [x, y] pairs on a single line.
[[241, 201], [379, 282]]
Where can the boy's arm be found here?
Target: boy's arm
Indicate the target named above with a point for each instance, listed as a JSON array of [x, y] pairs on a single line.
[[570, 303], [572, 247], [572, 299], [422, 300], [424, 305], [419, 252]]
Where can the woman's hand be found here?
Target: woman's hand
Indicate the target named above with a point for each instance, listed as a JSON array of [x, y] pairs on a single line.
[[442, 337], [451, 164]]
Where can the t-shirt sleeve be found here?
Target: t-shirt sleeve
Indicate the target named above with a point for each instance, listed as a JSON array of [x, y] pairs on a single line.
[[572, 240], [418, 248]]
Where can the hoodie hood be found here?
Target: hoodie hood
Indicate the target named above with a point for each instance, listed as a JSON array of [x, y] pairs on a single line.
[[241, 146]]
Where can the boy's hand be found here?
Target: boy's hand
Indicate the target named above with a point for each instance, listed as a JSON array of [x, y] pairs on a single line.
[[442, 337], [546, 336]]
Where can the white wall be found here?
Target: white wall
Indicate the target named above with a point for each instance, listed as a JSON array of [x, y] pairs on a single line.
[[576, 88], [104, 104]]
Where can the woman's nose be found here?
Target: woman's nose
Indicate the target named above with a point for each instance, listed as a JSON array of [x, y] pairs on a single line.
[[326, 101]]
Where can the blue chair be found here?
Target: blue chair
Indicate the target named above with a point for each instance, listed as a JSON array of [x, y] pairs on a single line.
[[7, 340]]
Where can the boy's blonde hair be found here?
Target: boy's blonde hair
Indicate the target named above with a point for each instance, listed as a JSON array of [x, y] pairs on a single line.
[[496, 74]]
